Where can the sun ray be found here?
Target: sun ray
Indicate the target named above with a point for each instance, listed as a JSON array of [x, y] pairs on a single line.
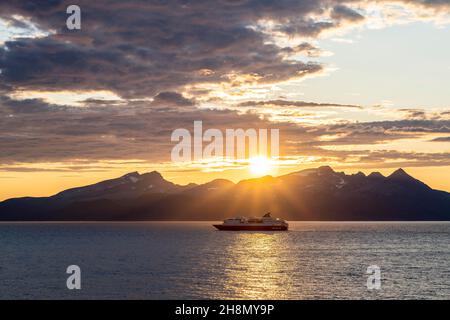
[[260, 166]]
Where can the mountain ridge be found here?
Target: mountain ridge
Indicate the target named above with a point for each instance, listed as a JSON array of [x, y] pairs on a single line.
[[310, 194]]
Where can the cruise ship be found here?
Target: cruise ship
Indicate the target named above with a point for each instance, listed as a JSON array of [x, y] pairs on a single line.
[[266, 223]]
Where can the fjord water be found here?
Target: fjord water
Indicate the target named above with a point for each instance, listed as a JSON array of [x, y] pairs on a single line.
[[192, 260]]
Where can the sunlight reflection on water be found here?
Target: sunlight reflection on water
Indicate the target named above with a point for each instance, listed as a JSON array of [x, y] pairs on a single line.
[[255, 269], [194, 261]]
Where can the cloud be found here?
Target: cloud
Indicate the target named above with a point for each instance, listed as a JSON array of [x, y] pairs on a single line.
[[397, 126], [395, 159], [139, 48], [414, 114], [441, 139], [25, 106], [138, 131], [304, 48], [341, 12], [298, 104], [169, 99], [102, 131], [148, 52]]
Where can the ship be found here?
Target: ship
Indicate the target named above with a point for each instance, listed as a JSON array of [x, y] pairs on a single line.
[[266, 223]]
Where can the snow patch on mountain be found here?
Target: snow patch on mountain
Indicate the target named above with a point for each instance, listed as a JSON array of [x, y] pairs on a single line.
[[134, 179]]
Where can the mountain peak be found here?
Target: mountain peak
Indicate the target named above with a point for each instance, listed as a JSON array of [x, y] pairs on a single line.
[[360, 174], [325, 169], [153, 173], [220, 181], [131, 174], [375, 174], [400, 174], [326, 195]]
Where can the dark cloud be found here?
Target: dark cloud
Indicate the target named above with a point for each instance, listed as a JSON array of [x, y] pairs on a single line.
[[299, 104], [25, 106], [397, 126], [172, 99], [136, 130], [414, 114], [140, 48], [308, 27], [383, 159], [102, 131], [341, 12], [441, 139], [304, 48]]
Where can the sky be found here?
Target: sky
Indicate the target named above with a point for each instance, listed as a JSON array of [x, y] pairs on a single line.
[[357, 85]]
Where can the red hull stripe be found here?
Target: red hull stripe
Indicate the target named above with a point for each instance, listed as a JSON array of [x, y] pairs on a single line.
[[250, 228]]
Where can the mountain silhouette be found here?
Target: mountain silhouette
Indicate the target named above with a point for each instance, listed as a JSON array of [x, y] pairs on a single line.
[[311, 194]]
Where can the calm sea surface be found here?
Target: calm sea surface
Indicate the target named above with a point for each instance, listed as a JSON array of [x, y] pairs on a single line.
[[191, 260]]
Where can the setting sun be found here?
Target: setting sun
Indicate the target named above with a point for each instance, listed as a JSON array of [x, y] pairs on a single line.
[[260, 166]]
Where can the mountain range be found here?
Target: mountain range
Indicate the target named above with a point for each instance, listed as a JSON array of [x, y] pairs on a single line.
[[311, 194]]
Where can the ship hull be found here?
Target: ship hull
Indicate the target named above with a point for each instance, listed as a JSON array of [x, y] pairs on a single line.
[[250, 228]]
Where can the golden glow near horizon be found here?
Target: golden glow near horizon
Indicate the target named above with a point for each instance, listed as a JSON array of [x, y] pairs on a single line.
[[74, 98], [348, 91], [260, 166], [42, 181]]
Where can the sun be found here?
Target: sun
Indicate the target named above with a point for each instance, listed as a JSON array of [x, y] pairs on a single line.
[[260, 166]]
